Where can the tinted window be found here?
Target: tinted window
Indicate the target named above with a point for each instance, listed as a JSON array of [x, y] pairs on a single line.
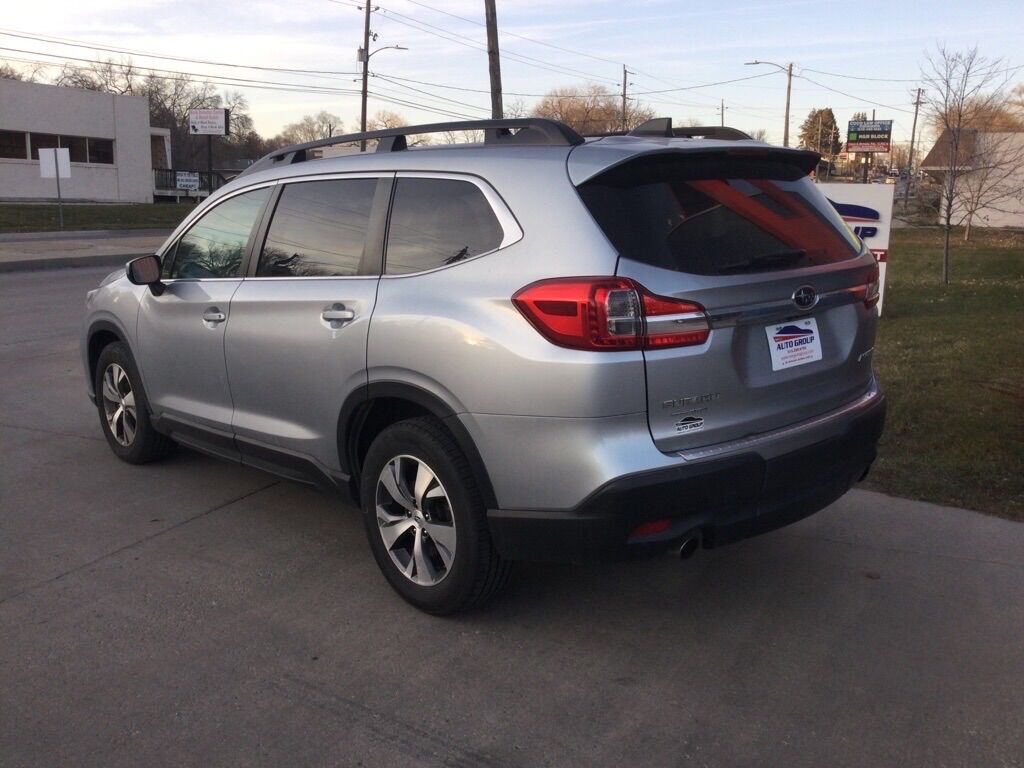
[[101, 151], [710, 216], [435, 222], [215, 245], [12, 144], [43, 141], [318, 229]]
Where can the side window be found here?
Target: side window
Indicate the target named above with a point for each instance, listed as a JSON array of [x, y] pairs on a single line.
[[319, 229], [215, 245], [435, 222]]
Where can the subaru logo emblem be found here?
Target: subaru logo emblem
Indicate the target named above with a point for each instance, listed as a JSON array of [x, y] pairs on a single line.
[[805, 297]]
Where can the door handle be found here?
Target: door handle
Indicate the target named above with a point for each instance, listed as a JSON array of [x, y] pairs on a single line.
[[214, 315], [338, 315]]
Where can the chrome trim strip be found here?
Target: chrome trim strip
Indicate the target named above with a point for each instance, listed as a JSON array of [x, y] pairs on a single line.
[[746, 443], [680, 323], [783, 308]]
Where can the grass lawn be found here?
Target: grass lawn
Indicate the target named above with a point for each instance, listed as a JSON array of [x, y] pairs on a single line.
[[951, 360], [43, 218]]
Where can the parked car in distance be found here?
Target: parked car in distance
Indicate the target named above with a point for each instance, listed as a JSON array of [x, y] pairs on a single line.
[[539, 347]]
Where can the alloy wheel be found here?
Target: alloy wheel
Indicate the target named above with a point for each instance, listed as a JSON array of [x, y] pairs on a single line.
[[119, 404], [415, 518]]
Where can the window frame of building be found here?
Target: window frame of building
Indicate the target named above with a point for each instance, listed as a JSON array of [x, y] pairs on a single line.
[[511, 232], [12, 142], [89, 155]]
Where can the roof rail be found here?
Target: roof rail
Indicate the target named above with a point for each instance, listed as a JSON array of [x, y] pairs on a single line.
[[533, 131], [662, 126]]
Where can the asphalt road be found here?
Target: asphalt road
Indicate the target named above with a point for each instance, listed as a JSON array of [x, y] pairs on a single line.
[[198, 613]]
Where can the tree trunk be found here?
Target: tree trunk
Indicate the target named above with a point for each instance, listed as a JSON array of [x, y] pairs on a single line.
[[945, 242], [967, 227]]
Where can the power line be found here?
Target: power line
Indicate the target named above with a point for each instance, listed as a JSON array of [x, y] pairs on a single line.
[[455, 37], [704, 85], [852, 96], [126, 51]]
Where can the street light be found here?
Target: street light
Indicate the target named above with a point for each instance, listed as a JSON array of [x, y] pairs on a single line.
[[788, 69], [364, 56]]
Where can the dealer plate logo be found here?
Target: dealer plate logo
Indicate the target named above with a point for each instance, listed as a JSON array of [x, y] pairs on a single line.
[[689, 424]]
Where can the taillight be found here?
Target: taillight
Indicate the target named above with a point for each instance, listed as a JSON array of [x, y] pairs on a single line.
[[873, 288], [609, 313]]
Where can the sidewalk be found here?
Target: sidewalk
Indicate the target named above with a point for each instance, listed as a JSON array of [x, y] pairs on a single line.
[[53, 250]]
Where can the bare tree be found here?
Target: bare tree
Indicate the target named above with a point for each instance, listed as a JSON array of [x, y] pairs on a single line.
[[120, 77], [386, 119], [759, 134], [591, 109], [994, 176], [322, 125], [964, 91], [29, 74]]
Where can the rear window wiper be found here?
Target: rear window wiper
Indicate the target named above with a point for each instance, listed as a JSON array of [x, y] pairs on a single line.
[[766, 261]]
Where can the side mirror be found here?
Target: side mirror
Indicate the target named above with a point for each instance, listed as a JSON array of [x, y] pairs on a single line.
[[145, 270]]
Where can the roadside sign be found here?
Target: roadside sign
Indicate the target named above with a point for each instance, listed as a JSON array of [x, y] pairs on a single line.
[[187, 180], [869, 136], [53, 160], [867, 210], [55, 163], [208, 122]]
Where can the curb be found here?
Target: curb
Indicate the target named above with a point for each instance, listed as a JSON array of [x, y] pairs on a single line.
[[84, 234], [64, 262]]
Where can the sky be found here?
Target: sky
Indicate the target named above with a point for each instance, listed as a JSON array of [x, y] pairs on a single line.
[[850, 57]]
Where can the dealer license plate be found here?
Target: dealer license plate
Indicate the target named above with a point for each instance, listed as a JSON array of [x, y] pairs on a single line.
[[793, 343]]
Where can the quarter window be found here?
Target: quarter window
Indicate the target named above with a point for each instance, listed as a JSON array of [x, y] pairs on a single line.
[[215, 245], [436, 222], [319, 229]]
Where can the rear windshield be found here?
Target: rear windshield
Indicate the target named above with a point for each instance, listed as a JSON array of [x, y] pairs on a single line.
[[710, 215]]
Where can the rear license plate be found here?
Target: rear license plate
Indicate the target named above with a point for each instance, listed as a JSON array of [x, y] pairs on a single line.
[[793, 343]]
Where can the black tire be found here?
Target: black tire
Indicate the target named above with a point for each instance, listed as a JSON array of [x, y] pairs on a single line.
[[146, 444], [477, 572]]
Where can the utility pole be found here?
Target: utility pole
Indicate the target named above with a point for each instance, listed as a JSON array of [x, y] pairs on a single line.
[[910, 156], [366, 71], [721, 111], [493, 59], [625, 73], [789, 88]]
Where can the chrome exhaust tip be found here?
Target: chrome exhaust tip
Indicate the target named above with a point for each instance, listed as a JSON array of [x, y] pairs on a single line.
[[689, 547]]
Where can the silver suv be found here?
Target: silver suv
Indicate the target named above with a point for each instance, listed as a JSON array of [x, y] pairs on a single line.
[[539, 346]]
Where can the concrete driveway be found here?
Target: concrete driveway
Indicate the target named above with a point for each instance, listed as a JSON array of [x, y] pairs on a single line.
[[198, 613]]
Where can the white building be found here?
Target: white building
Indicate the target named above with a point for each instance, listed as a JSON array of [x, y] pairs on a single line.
[[113, 149], [990, 188]]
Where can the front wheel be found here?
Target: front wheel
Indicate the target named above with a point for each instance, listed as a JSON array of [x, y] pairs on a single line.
[[425, 520], [124, 409]]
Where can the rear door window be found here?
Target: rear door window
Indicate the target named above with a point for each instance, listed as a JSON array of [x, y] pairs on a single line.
[[437, 222], [717, 216], [319, 229]]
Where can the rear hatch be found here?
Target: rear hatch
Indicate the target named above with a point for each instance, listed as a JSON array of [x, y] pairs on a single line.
[[787, 287]]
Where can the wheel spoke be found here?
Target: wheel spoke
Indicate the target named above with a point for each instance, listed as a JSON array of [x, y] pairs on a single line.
[[393, 530], [443, 537], [424, 478], [390, 480], [128, 425], [129, 401], [109, 387], [425, 573]]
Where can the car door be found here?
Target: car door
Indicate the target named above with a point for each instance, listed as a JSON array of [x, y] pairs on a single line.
[[296, 344], [181, 329]]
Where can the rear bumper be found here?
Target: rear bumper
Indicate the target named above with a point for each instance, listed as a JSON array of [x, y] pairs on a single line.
[[726, 499]]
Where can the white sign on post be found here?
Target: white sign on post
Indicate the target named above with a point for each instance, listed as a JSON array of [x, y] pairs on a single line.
[[867, 209], [208, 122], [53, 160], [187, 180]]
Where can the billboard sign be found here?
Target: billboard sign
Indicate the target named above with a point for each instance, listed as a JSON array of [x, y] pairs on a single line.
[[208, 122], [867, 210], [869, 136]]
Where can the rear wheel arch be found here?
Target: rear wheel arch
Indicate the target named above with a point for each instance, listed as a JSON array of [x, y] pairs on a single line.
[[373, 408]]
